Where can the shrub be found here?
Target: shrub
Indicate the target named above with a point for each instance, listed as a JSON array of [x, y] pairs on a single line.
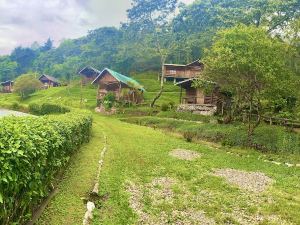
[[185, 116], [32, 151], [26, 84], [47, 108], [164, 107], [109, 100]]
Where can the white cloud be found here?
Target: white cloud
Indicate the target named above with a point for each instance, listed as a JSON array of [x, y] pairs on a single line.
[[23, 22]]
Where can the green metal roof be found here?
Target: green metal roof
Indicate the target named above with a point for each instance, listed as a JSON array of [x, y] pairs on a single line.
[[122, 78]]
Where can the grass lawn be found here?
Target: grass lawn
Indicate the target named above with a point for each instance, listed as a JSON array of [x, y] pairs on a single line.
[[143, 184]]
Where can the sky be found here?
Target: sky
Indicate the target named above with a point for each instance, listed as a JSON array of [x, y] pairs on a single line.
[[24, 21]]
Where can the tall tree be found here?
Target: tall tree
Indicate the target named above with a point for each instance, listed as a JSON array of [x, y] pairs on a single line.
[[251, 65], [24, 57], [7, 69], [47, 46], [151, 20]]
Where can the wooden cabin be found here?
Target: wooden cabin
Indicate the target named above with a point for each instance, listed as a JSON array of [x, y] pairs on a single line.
[[111, 81], [196, 95], [205, 103], [88, 75], [7, 86], [179, 72], [49, 81]]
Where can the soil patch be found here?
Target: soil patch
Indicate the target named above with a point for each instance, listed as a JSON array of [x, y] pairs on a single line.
[[160, 190], [184, 154], [251, 181]]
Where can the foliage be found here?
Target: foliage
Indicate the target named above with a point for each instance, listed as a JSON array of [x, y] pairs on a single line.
[[167, 106], [150, 19], [186, 116], [252, 66], [47, 108], [33, 151], [26, 85], [24, 58], [109, 100], [7, 69], [265, 138]]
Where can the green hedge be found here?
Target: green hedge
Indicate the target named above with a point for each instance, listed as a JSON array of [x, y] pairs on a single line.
[[32, 152], [47, 108], [266, 138], [186, 116]]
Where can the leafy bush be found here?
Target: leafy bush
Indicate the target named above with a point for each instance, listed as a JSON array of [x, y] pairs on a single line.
[[32, 151], [185, 116], [164, 107], [109, 100], [167, 106], [26, 84], [47, 108]]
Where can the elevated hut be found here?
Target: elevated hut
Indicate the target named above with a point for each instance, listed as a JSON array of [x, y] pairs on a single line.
[[88, 74], [49, 81], [180, 72], [7, 86], [198, 101], [114, 82]]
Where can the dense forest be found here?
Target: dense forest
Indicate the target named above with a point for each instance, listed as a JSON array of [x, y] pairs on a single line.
[[183, 32]]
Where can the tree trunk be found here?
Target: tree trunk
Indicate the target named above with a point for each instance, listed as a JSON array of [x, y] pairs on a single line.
[[161, 83]]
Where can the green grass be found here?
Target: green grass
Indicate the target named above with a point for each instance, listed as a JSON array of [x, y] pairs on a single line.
[[140, 154]]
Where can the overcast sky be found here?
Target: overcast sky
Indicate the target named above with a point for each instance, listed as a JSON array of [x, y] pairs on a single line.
[[25, 21]]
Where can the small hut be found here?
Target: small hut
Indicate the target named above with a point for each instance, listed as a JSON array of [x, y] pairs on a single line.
[[198, 101], [49, 81], [114, 82], [196, 95], [180, 72], [7, 86], [88, 75]]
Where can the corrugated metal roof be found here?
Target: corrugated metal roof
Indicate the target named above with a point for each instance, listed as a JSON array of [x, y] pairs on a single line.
[[121, 78]]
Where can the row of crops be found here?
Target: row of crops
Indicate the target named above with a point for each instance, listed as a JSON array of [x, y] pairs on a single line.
[[33, 150]]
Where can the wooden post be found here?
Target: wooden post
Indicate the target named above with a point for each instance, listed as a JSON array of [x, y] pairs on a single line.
[[120, 86], [180, 97]]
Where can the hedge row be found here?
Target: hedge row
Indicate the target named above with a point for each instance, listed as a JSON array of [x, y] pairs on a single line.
[[32, 152], [266, 138], [47, 108]]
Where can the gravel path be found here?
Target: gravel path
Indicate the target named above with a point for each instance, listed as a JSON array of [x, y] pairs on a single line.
[[251, 181], [5, 112]]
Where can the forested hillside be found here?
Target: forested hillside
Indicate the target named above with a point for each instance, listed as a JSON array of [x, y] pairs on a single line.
[[183, 34]]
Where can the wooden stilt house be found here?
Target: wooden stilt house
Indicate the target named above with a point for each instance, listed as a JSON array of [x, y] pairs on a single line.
[[88, 74], [49, 81], [180, 72], [123, 87], [7, 86], [196, 95]]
